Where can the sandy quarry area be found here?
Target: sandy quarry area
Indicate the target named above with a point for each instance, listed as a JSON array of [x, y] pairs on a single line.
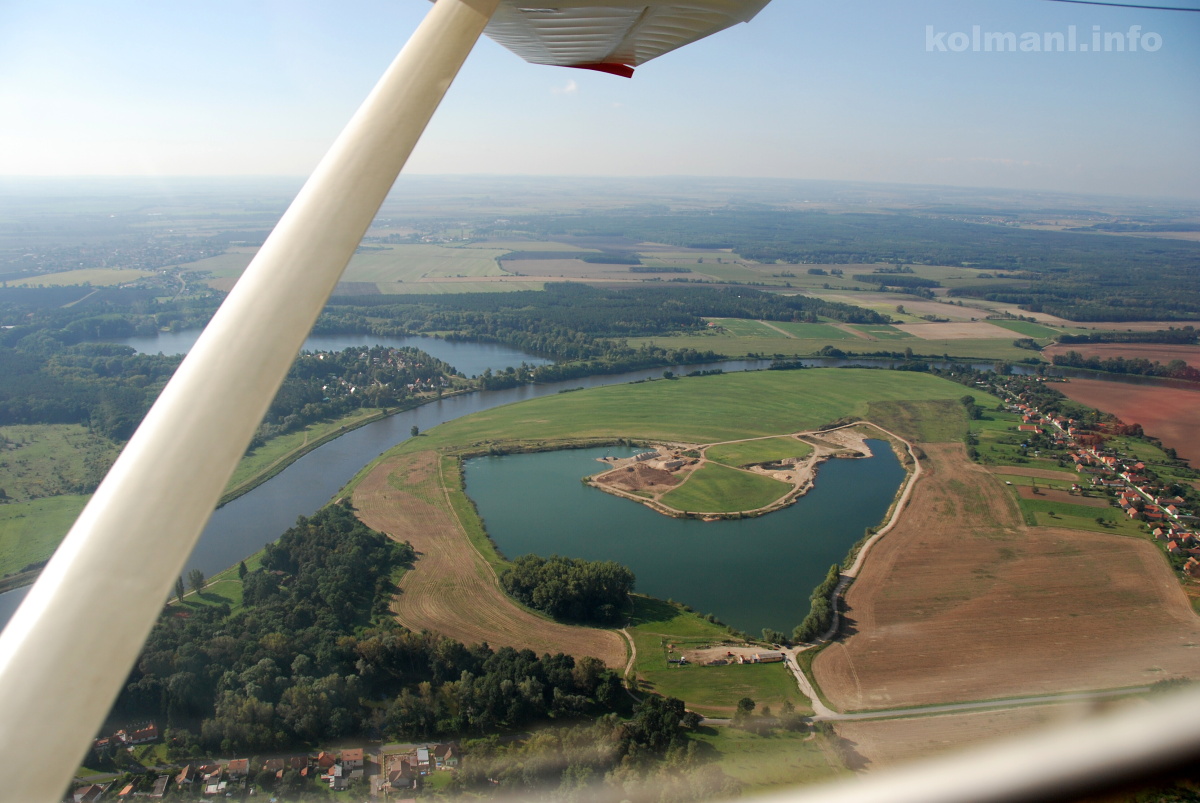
[[647, 480]]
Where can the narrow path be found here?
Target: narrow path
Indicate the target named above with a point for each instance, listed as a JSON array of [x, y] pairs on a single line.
[[632, 651], [1012, 702], [845, 327], [777, 329]]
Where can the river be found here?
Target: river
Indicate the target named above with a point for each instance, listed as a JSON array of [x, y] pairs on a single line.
[[246, 524], [257, 518]]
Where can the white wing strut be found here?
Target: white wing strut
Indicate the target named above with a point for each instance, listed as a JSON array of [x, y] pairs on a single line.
[[69, 648]]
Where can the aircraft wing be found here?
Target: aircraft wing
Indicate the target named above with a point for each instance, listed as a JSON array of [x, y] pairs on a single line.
[[611, 36]]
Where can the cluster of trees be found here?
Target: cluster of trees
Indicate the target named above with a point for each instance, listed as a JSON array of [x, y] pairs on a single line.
[[1186, 335], [323, 385], [1139, 366], [570, 588], [820, 615], [314, 642]]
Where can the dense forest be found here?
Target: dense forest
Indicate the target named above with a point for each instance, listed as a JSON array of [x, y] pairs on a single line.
[[569, 588], [1077, 275], [314, 643]]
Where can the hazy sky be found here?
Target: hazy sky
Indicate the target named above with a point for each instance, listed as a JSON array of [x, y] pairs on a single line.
[[864, 90]]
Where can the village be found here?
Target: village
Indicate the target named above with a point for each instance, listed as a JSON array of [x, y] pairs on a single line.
[[1140, 497], [393, 772]]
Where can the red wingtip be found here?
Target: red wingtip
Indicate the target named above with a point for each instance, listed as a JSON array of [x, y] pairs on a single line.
[[623, 70]]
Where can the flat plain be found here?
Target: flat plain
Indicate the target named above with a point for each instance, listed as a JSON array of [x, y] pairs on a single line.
[[962, 601]]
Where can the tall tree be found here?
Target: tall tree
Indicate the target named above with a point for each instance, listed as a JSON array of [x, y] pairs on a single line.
[[196, 580]]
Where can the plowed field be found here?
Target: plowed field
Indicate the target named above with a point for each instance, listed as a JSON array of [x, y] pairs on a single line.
[[961, 601], [452, 590], [1170, 414]]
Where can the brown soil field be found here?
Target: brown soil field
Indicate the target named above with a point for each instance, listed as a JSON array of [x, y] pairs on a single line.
[[958, 330], [1170, 414], [452, 590], [882, 743], [1155, 352], [1050, 495], [1040, 473], [962, 601], [639, 477]]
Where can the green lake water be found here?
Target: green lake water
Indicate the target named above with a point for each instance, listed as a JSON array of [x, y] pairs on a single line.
[[749, 573]]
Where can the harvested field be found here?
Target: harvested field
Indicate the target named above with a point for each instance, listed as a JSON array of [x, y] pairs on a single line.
[[886, 742], [956, 330], [961, 601], [1040, 473], [1155, 352], [1051, 495], [452, 590], [1170, 414]]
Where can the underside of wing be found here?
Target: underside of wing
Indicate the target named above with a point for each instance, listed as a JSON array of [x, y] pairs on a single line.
[[610, 35]]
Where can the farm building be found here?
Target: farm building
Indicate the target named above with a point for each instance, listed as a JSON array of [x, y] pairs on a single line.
[[767, 657]]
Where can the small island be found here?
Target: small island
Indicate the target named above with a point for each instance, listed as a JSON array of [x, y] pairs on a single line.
[[732, 479]]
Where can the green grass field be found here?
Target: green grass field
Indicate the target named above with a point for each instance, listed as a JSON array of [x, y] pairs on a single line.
[[758, 451], [707, 409], [882, 331], [30, 531], [813, 331], [408, 263], [775, 759], [40, 460], [98, 277], [1048, 513], [1026, 328], [931, 421], [715, 488], [708, 690]]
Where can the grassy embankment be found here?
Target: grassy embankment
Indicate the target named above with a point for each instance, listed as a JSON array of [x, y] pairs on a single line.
[[757, 451]]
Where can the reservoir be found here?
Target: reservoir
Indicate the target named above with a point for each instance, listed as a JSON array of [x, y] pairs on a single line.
[[749, 573]]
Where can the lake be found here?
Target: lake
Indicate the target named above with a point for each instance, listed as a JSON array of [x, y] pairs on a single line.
[[749, 573], [470, 359]]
